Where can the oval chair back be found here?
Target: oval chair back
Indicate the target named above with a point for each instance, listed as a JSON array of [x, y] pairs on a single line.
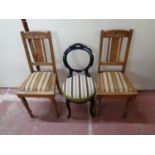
[[72, 48]]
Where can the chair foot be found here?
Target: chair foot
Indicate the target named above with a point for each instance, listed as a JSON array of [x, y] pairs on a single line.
[[69, 116], [68, 107], [24, 101], [32, 116], [124, 115]]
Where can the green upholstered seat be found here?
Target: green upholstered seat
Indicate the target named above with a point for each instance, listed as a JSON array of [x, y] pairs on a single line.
[[78, 88]]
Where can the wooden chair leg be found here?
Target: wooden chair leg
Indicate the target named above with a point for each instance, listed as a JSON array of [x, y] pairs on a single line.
[[68, 107], [126, 108], [98, 103], [55, 106], [92, 103], [38, 68], [24, 101], [58, 86]]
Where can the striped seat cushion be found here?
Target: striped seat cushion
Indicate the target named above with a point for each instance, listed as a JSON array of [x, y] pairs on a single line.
[[39, 82], [78, 88], [114, 83]]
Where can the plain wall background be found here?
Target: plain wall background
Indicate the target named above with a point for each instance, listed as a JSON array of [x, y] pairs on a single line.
[[141, 62]]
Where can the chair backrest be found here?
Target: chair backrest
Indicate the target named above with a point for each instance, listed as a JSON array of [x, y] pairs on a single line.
[[78, 46], [114, 48], [36, 49]]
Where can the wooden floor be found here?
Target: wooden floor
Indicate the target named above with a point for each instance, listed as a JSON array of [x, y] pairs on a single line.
[[15, 120]]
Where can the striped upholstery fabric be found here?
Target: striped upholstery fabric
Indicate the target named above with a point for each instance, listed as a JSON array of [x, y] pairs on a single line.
[[78, 88], [115, 82], [38, 82]]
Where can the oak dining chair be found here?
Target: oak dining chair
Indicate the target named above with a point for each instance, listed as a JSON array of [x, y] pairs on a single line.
[[43, 79], [111, 79]]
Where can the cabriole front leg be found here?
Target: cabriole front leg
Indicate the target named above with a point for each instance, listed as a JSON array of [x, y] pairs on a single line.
[[68, 107], [92, 103]]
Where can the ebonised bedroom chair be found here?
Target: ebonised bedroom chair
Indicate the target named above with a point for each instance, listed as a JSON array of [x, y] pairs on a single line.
[[78, 88]]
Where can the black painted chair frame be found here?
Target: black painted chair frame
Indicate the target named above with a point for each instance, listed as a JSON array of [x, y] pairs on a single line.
[[78, 46]]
